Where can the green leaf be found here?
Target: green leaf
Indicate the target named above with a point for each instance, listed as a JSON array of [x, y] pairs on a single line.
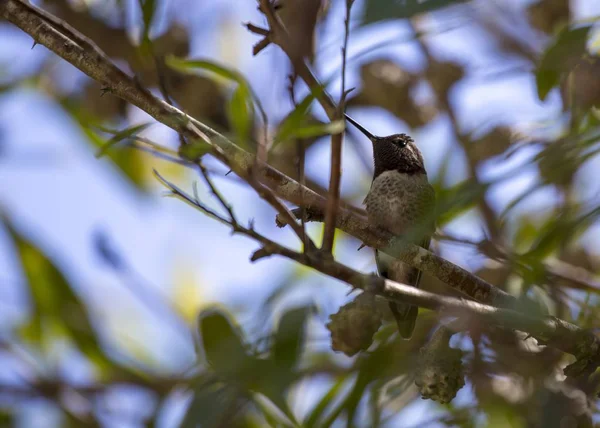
[[240, 108], [125, 134], [193, 150], [545, 81], [211, 406], [239, 111], [314, 130], [148, 12], [272, 417], [559, 231], [55, 306], [289, 338], [458, 199], [191, 65], [524, 195], [317, 412], [128, 160], [222, 343], [296, 118], [380, 10], [560, 57]]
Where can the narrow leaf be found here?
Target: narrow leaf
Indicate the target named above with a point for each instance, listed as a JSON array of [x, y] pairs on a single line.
[[187, 66], [315, 130], [54, 302], [222, 343], [210, 406], [318, 411], [297, 117], [120, 136], [240, 109], [289, 338], [130, 162], [148, 12], [379, 10], [560, 57]]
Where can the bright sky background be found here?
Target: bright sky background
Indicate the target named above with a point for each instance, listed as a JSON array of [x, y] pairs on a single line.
[[59, 194]]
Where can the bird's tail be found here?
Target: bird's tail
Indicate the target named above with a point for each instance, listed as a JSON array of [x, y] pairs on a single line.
[[406, 318]]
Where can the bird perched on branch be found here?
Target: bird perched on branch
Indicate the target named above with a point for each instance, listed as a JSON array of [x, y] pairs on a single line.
[[401, 201]]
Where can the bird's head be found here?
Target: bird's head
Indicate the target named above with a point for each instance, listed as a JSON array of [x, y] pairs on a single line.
[[396, 152]]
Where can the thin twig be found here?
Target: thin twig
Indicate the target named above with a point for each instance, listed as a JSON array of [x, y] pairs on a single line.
[[216, 193], [335, 177], [266, 193], [159, 152], [300, 161], [278, 35], [333, 196]]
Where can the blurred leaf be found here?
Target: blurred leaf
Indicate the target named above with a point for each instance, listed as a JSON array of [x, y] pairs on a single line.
[[120, 136], [456, 200], [271, 381], [187, 66], [545, 81], [289, 338], [6, 419], [241, 105], [316, 130], [106, 251], [561, 56], [386, 84], [524, 195], [148, 11], [194, 150], [580, 89], [297, 117], [493, 143], [535, 303], [548, 15], [526, 233], [239, 111], [379, 10], [559, 231], [317, 412], [212, 405], [222, 343], [54, 302], [271, 416], [443, 75], [188, 295], [128, 160]]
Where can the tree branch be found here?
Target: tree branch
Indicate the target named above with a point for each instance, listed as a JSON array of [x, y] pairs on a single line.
[[75, 48], [547, 330], [82, 53]]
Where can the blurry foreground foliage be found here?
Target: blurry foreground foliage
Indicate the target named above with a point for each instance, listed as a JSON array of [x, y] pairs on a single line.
[[241, 379]]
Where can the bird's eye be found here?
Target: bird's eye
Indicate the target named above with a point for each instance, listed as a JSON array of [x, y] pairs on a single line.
[[401, 142]]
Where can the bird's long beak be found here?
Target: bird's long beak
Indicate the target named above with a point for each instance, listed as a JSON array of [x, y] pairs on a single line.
[[360, 128]]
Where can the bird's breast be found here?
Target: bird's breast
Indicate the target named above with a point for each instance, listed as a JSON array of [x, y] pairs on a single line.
[[394, 201]]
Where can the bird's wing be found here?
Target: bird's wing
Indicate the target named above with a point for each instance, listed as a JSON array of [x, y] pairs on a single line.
[[405, 314]]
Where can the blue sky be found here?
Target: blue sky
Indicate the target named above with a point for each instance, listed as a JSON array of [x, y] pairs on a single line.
[[59, 194]]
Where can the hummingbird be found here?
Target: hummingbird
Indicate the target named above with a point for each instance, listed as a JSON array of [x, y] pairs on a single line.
[[401, 202]]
